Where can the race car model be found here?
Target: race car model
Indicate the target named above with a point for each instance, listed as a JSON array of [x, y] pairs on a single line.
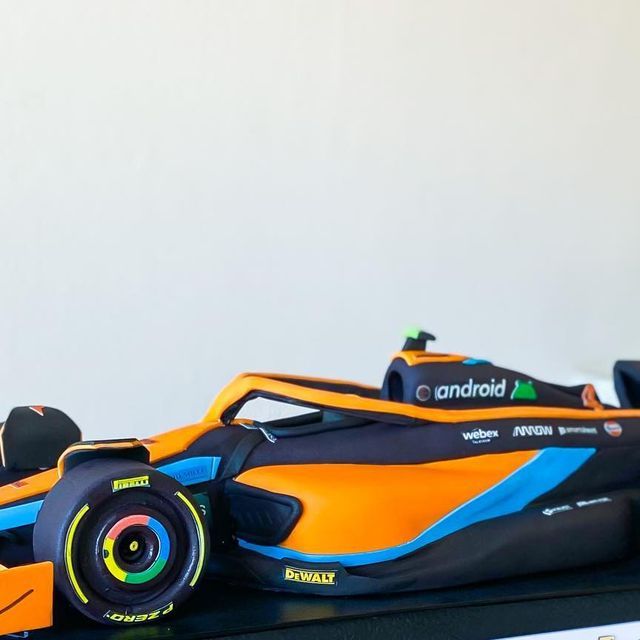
[[454, 471]]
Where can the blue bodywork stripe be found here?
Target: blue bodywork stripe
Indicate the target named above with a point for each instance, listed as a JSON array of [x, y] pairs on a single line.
[[542, 473], [192, 470], [187, 472], [19, 515]]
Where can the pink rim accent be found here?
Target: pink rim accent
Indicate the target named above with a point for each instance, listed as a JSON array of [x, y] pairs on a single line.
[[129, 521]]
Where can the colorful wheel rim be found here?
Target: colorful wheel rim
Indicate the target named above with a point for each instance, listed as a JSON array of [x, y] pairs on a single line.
[[121, 532]]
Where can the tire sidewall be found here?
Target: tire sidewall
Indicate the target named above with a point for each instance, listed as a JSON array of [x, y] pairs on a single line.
[[69, 515]]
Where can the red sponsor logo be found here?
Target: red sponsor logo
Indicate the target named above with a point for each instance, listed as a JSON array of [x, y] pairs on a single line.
[[613, 428], [39, 409]]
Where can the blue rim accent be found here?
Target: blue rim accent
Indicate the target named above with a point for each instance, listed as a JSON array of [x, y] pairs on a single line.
[[542, 473], [187, 472]]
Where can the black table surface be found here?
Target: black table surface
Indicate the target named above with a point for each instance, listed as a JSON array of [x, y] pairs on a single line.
[[587, 597]]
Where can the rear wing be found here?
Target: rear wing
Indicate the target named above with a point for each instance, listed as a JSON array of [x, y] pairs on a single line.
[[363, 401], [626, 378]]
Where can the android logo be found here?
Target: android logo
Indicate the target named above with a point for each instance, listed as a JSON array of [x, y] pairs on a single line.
[[524, 391]]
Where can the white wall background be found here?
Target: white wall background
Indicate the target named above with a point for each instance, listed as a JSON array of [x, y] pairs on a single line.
[[189, 189]]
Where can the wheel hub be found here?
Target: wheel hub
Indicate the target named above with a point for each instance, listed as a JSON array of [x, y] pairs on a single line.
[[136, 549]]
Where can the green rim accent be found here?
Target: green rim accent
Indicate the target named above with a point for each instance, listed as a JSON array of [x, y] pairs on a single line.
[[149, 574]]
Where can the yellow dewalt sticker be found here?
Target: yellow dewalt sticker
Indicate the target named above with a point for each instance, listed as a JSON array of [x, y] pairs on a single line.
[[129, 483], [308, 576]]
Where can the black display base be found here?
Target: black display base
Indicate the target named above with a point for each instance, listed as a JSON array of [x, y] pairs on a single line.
[[588, 597]]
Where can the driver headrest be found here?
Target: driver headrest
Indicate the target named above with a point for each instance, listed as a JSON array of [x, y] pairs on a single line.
[[34, 437], [452, 381]]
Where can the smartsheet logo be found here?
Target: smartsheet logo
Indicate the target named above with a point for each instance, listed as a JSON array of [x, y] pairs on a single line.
[[578, 431]]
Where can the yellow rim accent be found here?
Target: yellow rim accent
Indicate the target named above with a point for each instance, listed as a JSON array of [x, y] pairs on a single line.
[[200, 529], [68, 561], [110, 562]]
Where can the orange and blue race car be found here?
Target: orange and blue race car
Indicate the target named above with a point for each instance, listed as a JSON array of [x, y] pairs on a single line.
[[454, 471]]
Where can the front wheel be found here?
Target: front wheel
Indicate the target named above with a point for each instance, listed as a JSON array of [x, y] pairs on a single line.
[[128, 543]]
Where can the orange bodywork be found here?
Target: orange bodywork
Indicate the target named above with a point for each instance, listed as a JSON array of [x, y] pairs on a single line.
[[26, 592], [160, 447], [258, 384], [173, 442], [26, 597], [413, 358], [341, 503]]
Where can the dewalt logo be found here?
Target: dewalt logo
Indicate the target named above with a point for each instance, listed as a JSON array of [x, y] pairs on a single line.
[[129, 483], [307, 576]]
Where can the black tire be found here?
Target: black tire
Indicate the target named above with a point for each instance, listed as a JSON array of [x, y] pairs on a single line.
[[128, 543]]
